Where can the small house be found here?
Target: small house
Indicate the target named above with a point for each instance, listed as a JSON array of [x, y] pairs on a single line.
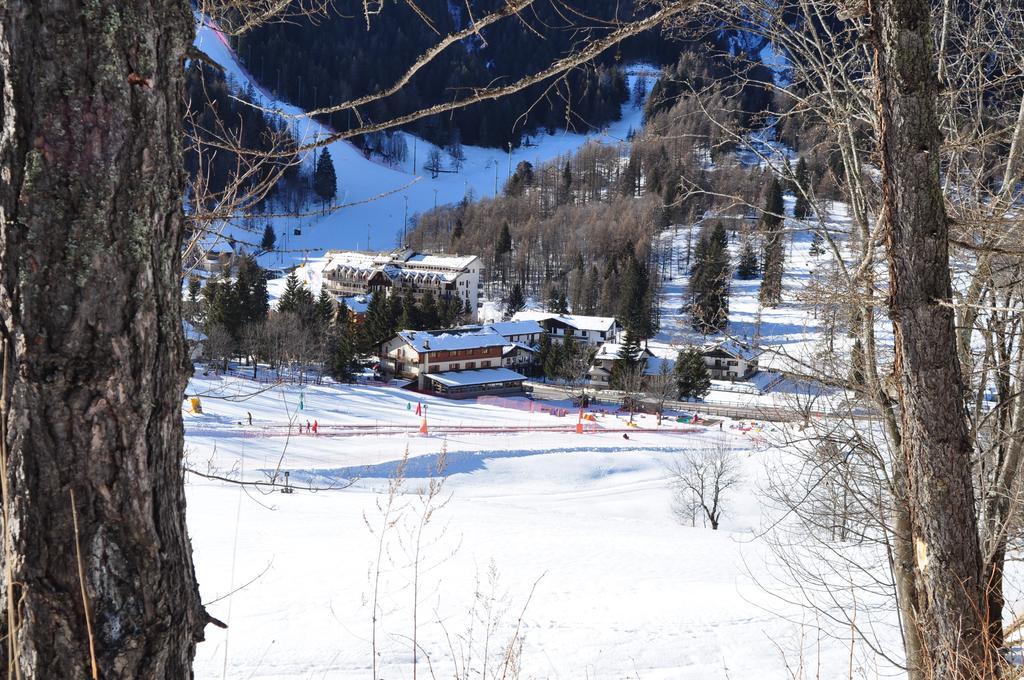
[[600, 372], [433, 358], [730, 360], [589, 330]]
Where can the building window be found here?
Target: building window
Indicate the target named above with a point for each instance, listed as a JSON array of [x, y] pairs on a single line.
[[470, 365], [485, 364], [453, 367]]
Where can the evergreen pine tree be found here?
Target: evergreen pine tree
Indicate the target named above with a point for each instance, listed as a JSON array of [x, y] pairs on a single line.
[[269, 240], [774, 246], [817, 244], [562, 304], [297, 299], [556, 302], [251, 291], [376, 324], [565, 187], [516, 301], [193, 306], [774, 206], [408, 320], [692, 374], [504, 244], [323, 309], [747, 268], [634, 300], [222, 307], [430, 316], [544, 352], [451, 311], [627, 361], [802, 207], [774, 263], [325, 181], [709, 289], [553, 360], [343, 354]]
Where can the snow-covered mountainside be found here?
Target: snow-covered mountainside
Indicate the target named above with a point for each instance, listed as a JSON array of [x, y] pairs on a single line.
[[371, 224]]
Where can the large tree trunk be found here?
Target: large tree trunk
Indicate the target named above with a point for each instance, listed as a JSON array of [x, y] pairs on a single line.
[[90, 316], [935, 441]]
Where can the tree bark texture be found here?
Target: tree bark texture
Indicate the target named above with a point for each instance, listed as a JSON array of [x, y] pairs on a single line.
[[91, 184], [935, 442]]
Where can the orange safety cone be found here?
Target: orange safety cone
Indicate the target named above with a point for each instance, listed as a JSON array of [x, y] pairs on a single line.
[[423, 426]]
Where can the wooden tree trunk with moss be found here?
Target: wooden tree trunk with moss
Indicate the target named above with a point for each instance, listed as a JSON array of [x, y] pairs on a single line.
[[91, 221], [935, 441]]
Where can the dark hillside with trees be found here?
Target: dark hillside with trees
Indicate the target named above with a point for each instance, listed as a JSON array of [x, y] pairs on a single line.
[[315, 63], [217, 113]]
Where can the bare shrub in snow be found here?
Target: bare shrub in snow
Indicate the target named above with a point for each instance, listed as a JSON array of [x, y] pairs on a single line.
[[701, 481]]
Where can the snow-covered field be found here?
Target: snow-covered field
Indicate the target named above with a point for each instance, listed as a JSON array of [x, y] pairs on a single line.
[[573, 533]]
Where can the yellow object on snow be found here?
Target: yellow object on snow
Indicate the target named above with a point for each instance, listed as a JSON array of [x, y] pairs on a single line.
[[197, 406]]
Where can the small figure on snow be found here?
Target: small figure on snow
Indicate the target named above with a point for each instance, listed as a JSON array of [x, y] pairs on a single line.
[[250, 418], [309, 428], [316, 425], [625, 435]]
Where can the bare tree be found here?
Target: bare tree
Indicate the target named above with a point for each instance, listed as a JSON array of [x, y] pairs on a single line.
[[929, 383], [575, 367], [434, 163], [219, 346], [662, 386], [701, 482], [630, 380]]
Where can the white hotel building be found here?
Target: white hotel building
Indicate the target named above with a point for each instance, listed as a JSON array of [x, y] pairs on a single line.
[[347, 273]]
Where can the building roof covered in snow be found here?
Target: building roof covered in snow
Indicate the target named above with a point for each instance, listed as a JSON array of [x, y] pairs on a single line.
[[476, 377], [523, 327], [655, 364], [354, 260], [394, 262], [429, 260], [582, 323], [733, 349], [610, 351], [454, 339], [509, 349], [356, 303]]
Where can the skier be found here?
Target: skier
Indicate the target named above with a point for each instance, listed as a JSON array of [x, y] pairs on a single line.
[[315, 426], [309, 428], [250, 418]]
